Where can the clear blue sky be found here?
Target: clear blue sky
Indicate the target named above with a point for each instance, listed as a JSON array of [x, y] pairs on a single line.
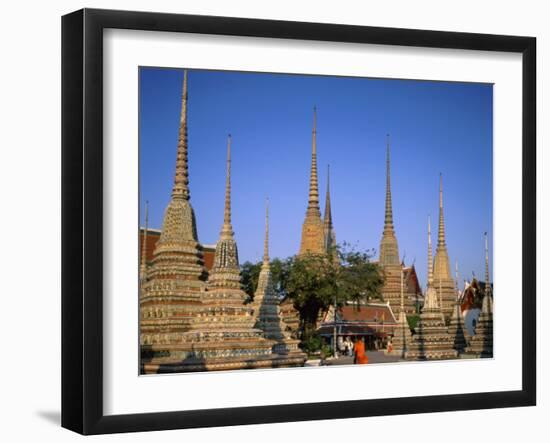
[[434, 126]]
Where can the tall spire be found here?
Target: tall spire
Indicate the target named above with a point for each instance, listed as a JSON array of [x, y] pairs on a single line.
[[313, 199], [389, 251], [430, 258], [266, 240], [225, 270], [143, 265], [227, 229], [441, 235], [388, 215], [181, 178], [313, 232], [330, 237], [442, 266]]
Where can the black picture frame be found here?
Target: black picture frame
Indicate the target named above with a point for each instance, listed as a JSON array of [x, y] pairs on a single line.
[[82, 219]]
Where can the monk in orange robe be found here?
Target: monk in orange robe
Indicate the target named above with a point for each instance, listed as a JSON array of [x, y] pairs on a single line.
[[360, 355]]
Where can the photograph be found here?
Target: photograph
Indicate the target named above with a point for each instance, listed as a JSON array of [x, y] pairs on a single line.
[[300, 221]]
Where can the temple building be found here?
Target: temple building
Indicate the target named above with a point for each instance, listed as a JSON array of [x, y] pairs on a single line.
[[471, 300], [192, 320], [389, 260], [374, 322], [266, 307], [431, 340], [314, 229], [442, 267]]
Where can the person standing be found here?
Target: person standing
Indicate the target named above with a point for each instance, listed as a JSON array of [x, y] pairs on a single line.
[[360, 355]]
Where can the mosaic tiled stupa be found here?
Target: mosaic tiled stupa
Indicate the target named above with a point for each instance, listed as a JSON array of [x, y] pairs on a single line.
[[481, 343], [188, 323], [401, 333], [389, 253], [267, 310], [431, 340], [172, 284]]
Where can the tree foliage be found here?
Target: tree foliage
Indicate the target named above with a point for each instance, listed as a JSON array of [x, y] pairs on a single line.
[[250, 273], [316, 281]]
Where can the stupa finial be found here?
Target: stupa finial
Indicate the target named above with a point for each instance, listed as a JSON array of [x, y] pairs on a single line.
[[388, 214], [181, 178], [313, 199], [227, 229], [266, 240], [441, 235]]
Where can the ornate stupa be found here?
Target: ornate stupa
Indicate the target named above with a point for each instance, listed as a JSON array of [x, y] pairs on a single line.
[[389, 253], [401, 333], [431, 340], [442, 267], [313, 230], [175, 278], [481, 344], [330, 235], [187, 323], [266, 307]]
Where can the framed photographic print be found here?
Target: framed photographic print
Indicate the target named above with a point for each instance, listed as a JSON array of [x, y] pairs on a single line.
[[254, 210]]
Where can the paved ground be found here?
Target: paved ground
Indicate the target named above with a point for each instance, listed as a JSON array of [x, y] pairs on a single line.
[[374, 357]]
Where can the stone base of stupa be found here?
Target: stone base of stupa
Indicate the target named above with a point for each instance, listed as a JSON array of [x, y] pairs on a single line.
[[245, 350], [458, 337], [481, 344], [431, 340], [164, 366]]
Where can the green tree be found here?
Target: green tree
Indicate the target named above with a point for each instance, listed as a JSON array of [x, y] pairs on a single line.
[[249, 277], [250, 273], [316, 282]]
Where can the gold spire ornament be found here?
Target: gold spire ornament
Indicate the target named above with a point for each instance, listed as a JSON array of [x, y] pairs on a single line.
[[442, 266], [181, 178], [313, 232], [389, 251], [227, 229]]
